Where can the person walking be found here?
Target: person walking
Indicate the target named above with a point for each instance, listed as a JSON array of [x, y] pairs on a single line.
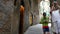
[[55, 15], [44, 21]]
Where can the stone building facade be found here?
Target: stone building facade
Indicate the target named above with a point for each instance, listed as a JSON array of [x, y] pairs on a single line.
[[8, 19], [31, 7]]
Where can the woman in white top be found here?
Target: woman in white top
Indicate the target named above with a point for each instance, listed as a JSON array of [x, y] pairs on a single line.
[[55, 14]]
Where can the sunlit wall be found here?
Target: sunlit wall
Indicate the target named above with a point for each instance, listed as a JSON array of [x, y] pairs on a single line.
[[44, 6]]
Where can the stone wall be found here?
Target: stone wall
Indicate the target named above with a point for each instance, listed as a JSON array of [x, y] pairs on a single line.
[[6, 9], [8, 24], [31, 8], [26, 14], [35, 12]]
